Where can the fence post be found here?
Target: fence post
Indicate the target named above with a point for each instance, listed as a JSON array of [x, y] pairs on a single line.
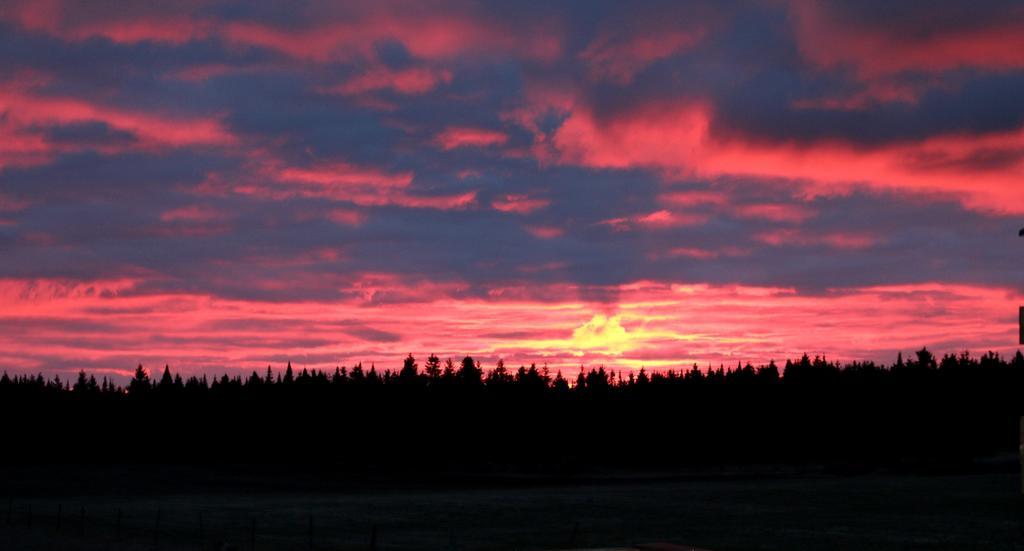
[[201, 528], [117, 531], [451, 531], [311, 530], [252, 535], [373, 538], [60, 506], [81, 521], [156, 530], [29, 516], [10, 509], [575, 531]]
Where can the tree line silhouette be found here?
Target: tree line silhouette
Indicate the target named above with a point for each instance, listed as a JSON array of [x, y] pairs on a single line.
[[923, 412]]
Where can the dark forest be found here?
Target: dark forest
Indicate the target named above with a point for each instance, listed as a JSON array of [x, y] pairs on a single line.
[[922, 413]]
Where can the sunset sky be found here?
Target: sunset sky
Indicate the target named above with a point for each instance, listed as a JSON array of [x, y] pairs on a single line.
[[219, 186]]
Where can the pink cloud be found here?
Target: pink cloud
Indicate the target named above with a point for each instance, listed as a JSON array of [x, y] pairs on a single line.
[[830, 39], [694, 198], [344, 174], [428, 35], [456, 137], [657, 219], [127, 26], [545, 232], [692, 252], [12, 204], [166, 29], [363, 186], [875, 92], [22, 146], [722, 203], [405, 81], [518, 203], [667, 137], [115, 324], [619, 56], [206, 71], [191, 213], [676, 140], [327, 32], [775, 212], [346, 217], [456, 201], [27, 110], [835, 240], [670, 219]]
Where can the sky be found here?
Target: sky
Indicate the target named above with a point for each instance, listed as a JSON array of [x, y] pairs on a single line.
[[220, 186]]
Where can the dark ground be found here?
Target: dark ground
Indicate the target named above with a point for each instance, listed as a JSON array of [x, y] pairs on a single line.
[[810, 511]]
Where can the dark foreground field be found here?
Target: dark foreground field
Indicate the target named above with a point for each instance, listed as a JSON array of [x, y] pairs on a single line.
[[977, 511]]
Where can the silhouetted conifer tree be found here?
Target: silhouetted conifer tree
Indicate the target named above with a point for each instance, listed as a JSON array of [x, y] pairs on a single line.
[[357, 374], [166, 381], [769, 373], [409, 373], [499, 376], [448, 374], [139, 384], [560, 385], [82, 384], [925, 359], [469, 372], [432, 368]]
